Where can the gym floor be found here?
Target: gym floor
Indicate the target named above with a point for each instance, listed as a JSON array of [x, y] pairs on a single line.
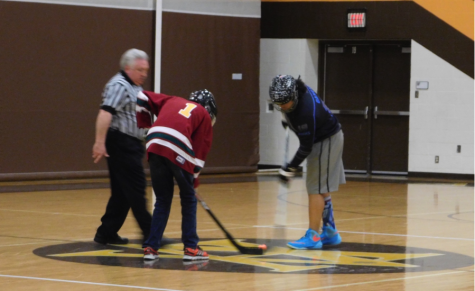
[[398, 234]]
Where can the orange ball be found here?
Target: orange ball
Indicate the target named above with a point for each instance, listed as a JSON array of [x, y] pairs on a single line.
[[263, 247]]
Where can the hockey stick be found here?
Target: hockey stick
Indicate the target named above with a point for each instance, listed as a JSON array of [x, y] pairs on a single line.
[[286, 156], [286, 150], [284, 180], [243, 250], [281, 209]]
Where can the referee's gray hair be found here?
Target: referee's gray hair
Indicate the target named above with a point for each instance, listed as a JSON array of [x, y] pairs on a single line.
[[129, 57]]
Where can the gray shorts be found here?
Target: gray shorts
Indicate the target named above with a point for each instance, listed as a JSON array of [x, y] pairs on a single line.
[[325, 170]]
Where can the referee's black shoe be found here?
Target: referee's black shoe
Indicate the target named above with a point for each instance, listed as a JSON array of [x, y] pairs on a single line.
[[114, 240]]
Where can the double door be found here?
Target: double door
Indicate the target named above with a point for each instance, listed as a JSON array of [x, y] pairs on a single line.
[[367, 87]]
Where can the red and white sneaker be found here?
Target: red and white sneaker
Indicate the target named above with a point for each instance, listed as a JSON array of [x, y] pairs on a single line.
[[193, 254], [150, 254]]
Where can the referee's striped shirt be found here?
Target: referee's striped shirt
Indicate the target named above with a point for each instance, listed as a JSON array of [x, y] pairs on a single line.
[[119, 98]]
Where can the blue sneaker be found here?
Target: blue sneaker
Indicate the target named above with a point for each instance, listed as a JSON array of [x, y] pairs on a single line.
[[330, 236], [311, 240]]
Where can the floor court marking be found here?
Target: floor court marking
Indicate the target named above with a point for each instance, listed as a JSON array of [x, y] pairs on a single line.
[[373, 233], [33, 243], [397, 215], [52, 213], [89, 239], [405, 235], [87, 283], [382, 281]]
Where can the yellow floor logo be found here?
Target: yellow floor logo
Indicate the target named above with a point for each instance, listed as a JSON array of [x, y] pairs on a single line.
[[347, 258]]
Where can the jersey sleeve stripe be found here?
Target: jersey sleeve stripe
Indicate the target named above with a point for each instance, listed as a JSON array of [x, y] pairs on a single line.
[[142, 106], [142, 103], [142, 96], [315, 99], [200, 163]]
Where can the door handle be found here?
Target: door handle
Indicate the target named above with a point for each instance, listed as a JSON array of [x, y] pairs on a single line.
[[352, 112], [393, 113]]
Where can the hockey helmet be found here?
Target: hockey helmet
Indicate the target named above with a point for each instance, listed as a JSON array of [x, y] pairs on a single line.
[[283, 89], [206, 99]]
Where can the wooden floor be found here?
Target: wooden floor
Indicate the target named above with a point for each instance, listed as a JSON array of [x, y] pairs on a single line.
[[397, 235]]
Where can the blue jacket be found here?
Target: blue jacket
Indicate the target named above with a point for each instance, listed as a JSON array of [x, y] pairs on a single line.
[[312, 122]]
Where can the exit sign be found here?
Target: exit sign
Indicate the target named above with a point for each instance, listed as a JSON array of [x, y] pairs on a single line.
[[356, 19]]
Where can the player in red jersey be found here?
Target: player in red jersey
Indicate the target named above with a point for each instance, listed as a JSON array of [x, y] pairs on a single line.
[[177, 145]]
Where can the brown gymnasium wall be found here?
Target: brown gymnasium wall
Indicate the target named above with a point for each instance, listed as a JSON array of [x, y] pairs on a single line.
[[203, 51], [56, 60]]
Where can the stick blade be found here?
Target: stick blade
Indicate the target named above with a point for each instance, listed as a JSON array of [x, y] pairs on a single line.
[[251, 251]]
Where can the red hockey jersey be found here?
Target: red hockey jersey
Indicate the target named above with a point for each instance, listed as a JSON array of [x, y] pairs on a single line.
[[182, 131]]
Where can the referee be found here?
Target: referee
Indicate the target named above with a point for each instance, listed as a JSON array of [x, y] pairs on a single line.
[[120, 140]]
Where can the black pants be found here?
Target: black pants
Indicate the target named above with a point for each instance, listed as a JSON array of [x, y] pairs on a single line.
[[128, 184]]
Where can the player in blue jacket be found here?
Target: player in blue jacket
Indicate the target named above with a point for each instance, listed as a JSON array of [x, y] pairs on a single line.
[[321, 143]]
